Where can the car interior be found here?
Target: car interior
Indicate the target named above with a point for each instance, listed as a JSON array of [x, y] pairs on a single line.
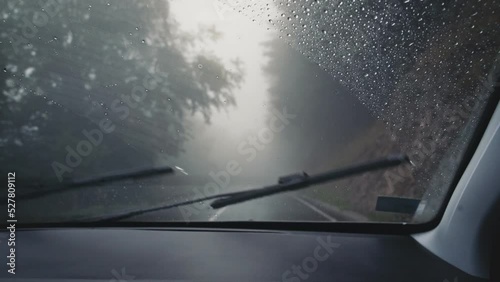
[[67, 219]]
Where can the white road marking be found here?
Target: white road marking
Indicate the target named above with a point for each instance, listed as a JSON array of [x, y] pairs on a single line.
[[314, 208], [217, 214]]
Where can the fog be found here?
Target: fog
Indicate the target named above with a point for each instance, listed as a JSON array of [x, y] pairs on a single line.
[[277, 77]]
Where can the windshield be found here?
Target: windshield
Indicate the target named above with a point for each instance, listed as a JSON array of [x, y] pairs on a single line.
[[233, 95]]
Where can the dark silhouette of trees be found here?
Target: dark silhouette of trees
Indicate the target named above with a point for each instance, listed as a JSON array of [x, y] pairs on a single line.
[[69, 65], [328, 116], [418, 67]]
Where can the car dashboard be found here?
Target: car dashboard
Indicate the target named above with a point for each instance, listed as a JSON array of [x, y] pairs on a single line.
[[203, 254]]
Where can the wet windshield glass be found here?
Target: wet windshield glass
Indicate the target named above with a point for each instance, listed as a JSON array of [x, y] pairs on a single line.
[[234, 94]]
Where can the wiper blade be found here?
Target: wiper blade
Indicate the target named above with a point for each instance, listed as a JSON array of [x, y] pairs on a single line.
[[97, 180], [285, 184], [125, 215], [301, 181]]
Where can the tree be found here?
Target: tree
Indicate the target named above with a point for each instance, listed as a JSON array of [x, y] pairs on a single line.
[[418, 67], [70, 65]]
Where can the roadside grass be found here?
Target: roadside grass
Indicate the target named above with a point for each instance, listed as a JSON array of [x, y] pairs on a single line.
[[372, 143], [338, 198]]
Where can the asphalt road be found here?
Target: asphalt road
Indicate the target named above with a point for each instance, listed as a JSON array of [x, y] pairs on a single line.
[[286, 207], [290, 206]]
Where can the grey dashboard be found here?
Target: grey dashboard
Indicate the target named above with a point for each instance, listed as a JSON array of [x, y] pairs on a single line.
[[164, 254]]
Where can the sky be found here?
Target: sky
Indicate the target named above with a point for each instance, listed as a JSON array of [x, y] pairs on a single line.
[[242, 39]]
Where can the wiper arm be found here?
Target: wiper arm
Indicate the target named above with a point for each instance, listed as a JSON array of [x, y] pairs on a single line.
[[97, 180], [287, 183], [302, 180]]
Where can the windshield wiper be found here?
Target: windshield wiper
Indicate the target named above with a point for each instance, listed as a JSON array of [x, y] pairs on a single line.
[[285, 184], [96, 180], [303, 180]]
